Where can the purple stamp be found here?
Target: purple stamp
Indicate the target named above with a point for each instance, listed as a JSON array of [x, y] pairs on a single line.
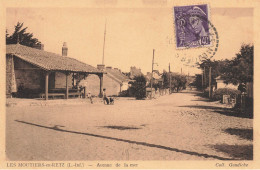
[[192, 26]]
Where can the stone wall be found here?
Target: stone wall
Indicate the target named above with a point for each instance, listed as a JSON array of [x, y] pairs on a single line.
[[60, 80], [28, 75], [93, 84], [9, 62], [112, 86]]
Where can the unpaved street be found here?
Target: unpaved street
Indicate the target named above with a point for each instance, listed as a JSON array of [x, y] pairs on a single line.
[[180, 126]]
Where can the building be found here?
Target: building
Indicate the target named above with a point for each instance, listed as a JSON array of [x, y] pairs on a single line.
[[221, 84], [38, 73], [114, 81]]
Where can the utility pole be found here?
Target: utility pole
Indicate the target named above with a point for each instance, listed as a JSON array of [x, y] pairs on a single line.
[[104, 43], [209, 82], [205, 78], [170, 81], [152, 76], [202, 75]]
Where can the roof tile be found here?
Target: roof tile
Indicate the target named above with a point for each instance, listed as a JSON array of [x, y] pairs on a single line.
[[49, 61]]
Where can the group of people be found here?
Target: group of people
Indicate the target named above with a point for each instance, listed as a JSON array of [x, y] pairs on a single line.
[[106, 100]]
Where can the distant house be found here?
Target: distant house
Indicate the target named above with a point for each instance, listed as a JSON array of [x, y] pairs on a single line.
[[157, 83], [156, 76], [35, 72], [114, 81], [221, 84], [134, 72]]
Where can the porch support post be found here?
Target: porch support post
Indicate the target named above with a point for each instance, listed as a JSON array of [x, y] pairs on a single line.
[[46, 85], [67, 86], [84, 88], [101, 85]]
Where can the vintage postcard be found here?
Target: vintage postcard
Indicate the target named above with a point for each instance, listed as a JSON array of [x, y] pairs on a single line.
[[117, 84]]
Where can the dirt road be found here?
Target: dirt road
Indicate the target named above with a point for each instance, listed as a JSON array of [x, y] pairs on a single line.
[[180, 126]]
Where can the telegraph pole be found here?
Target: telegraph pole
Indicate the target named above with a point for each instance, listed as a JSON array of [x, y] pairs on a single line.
[[205, 78], [104, 43], [209, 82], [152, 76], [202, 75], [170, 85]]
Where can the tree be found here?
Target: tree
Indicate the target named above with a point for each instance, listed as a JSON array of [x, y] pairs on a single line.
[[166, 79], [198, 81], [218, 67], [240, 69], [178, 81], [139, 87], [21, 36]]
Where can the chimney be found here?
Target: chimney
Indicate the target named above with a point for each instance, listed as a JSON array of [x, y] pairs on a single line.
[[64, 49], [108, 67], [39, 46], [100, 66], [116, 68]]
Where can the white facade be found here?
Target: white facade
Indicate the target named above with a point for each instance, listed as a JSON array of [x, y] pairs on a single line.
[[221, 84]]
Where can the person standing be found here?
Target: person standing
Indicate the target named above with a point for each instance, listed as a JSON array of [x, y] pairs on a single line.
[[105, 99], [90, 97]]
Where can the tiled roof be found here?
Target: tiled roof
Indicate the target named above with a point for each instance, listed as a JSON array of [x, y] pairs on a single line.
[[117, 74], [49, 61], [156, 76]]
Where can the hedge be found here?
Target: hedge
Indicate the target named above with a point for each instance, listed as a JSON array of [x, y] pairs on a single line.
[[218, 94]]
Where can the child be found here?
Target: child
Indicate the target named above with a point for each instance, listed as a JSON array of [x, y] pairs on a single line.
[[111, 100], [90, 97]]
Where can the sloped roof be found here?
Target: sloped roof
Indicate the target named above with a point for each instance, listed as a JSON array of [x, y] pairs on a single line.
[[117, 74], [155, 76], [49, 61]]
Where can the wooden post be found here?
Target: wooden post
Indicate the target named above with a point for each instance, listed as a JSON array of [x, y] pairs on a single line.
[[152, 77], [202, 75], [46, 85], [205, 78], [67, 86], [170, 83], [209, 82], [101, 85]]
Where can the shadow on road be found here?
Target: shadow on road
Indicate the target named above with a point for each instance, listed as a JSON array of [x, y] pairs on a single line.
[[241, 133], [221, 110], [190, 92], [121, 127], [129, 141], [204, 100], [237, 152]]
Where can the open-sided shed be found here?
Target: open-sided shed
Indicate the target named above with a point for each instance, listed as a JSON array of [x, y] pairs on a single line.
[[43, 72]]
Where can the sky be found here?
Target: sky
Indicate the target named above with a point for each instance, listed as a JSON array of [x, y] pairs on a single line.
[[131, 34]]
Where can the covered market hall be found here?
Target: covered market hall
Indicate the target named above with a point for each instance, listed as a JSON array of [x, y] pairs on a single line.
[[35, 73]]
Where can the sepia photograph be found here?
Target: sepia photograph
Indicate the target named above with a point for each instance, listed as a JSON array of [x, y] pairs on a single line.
[[160, 82]]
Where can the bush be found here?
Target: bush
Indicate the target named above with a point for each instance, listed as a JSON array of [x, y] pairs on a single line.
[[205, 93], [124, 93], [218, 94], [139, 87]]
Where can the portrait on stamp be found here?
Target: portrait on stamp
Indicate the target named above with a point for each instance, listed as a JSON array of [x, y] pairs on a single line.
[[191, 26]]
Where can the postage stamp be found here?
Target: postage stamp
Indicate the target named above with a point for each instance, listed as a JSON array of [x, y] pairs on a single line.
[[192, 26]]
